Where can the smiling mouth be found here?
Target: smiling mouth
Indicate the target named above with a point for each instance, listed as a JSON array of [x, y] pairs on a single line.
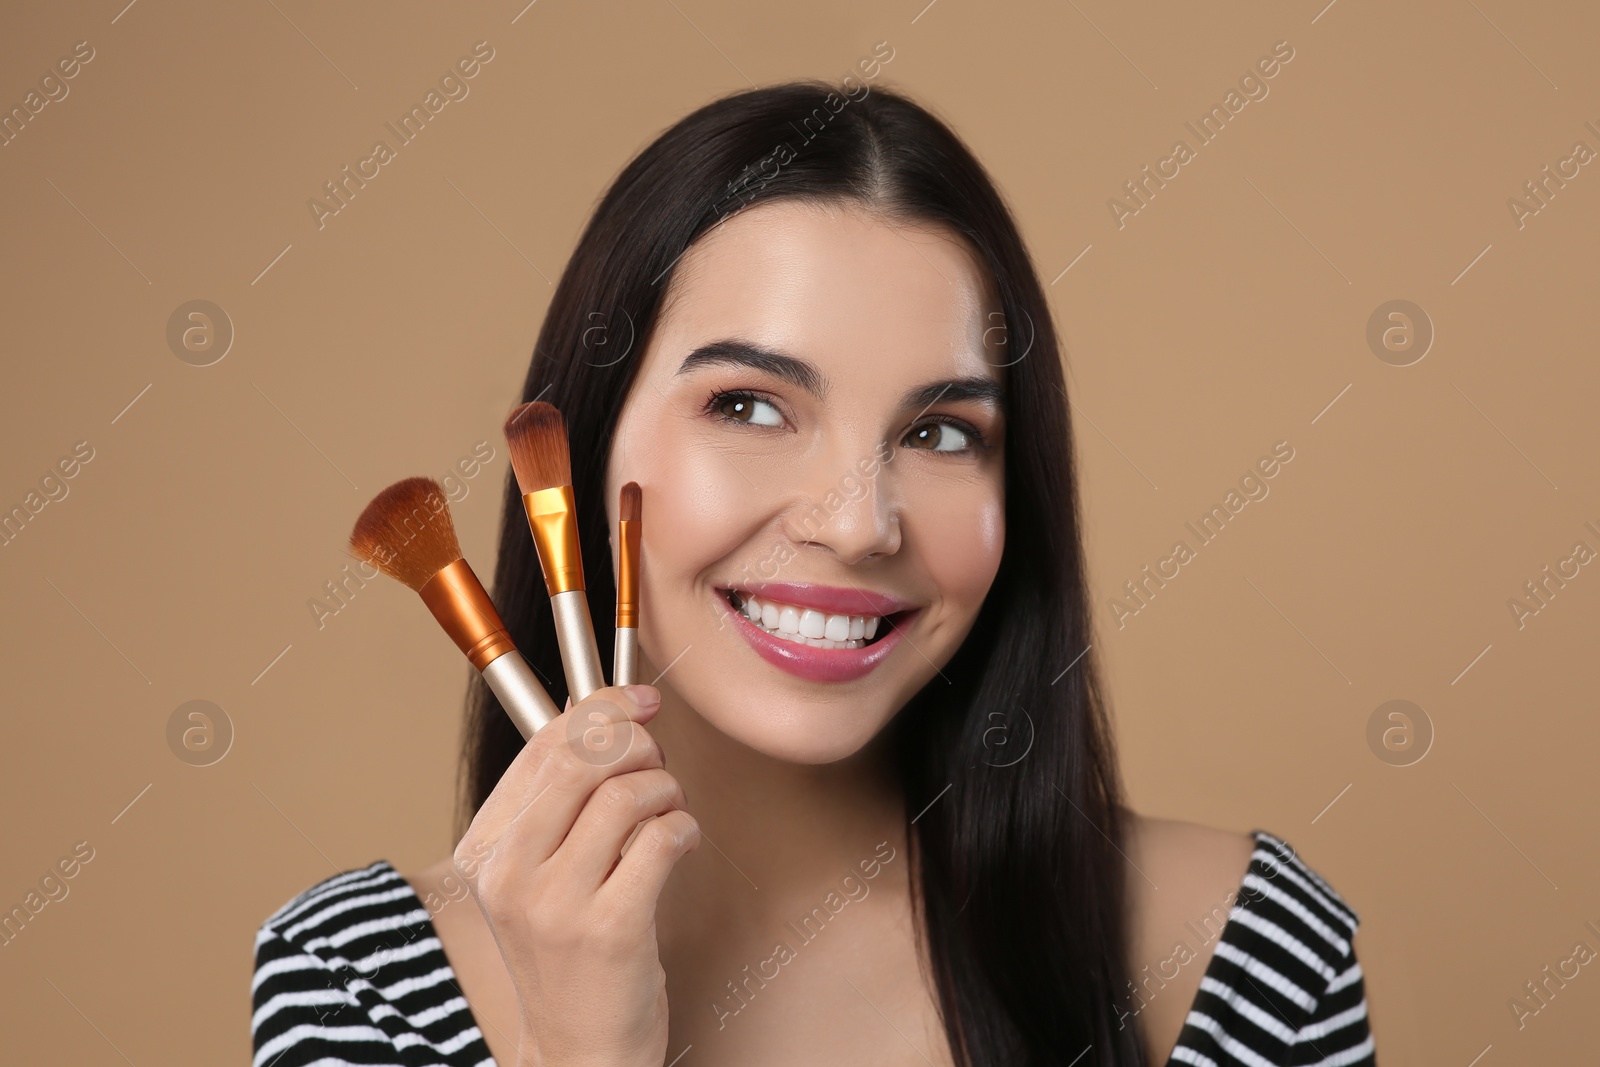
[[807, 626]]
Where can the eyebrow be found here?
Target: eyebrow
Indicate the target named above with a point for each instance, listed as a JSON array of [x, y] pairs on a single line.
[[798, 372]]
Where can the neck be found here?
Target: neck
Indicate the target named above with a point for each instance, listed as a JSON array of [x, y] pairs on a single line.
[[775, 835]]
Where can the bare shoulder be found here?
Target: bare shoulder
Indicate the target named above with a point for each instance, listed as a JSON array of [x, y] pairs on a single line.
[[1185, 880], [432, 877], [440, 888], [1193, 857]]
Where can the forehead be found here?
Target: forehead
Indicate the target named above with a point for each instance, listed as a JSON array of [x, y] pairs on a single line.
[[847, 289]]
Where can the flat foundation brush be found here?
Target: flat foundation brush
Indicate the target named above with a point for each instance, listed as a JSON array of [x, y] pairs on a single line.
[[537, 436], [625, 660], [407, 533]]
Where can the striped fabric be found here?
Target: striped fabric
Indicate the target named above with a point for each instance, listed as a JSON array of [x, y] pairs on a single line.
[[1283, 986], [352, 972]]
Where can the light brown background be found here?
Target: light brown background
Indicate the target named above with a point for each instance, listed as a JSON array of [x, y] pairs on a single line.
[[1228, 315]]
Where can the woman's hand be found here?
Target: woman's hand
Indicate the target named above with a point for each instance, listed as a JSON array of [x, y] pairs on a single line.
[[575, 924]]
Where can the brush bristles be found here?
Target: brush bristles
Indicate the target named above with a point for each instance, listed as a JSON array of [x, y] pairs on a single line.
[[632, 502], [406, 532], [537, 436]]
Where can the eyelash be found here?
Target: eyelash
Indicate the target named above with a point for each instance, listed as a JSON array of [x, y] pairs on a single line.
[[980, 442]]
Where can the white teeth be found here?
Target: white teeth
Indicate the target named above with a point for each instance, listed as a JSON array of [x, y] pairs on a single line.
[[807, 625]]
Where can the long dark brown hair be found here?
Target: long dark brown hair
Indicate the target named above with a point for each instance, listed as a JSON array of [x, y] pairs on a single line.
[[1021, 884]]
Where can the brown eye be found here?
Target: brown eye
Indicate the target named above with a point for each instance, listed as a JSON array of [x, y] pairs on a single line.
[[939, 437], [748, 409]]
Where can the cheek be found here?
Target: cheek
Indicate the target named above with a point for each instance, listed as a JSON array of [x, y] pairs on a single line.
[[963, 536], [698, 509]]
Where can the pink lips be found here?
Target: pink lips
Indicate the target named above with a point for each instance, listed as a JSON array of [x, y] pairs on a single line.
[[818, 664]]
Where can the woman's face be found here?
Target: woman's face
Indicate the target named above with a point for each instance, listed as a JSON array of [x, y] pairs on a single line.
[[817, 425]]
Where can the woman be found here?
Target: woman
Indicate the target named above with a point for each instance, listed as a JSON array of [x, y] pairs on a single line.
[[804, 322]]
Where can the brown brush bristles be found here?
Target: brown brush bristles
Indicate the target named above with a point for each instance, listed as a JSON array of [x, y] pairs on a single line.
[[537, 436], [406, 532], [632, 502]]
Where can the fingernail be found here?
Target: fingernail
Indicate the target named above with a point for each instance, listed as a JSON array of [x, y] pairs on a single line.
[[646, 696]]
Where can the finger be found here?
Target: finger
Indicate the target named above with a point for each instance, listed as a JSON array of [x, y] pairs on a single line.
[[618, 805], [568, 780], [537, 859], [661, 842], [579, 731]]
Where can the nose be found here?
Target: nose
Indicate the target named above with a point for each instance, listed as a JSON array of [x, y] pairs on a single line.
[[848, 509]]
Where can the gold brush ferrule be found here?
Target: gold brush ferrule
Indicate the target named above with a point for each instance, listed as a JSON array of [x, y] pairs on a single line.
[[553, 518], [457, 599], [628, 575]]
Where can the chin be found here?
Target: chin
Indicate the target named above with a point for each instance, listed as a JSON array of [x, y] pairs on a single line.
[[795, 731]]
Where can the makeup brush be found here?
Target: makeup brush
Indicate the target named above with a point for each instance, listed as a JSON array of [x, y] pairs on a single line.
[[626, 654], [537, 436], [406, 532]]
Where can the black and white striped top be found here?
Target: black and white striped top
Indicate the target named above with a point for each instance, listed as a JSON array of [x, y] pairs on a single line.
[[352, 972]]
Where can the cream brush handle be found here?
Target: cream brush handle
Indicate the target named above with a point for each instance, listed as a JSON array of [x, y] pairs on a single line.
[[520, 694], [625, 661], [580, 659]]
